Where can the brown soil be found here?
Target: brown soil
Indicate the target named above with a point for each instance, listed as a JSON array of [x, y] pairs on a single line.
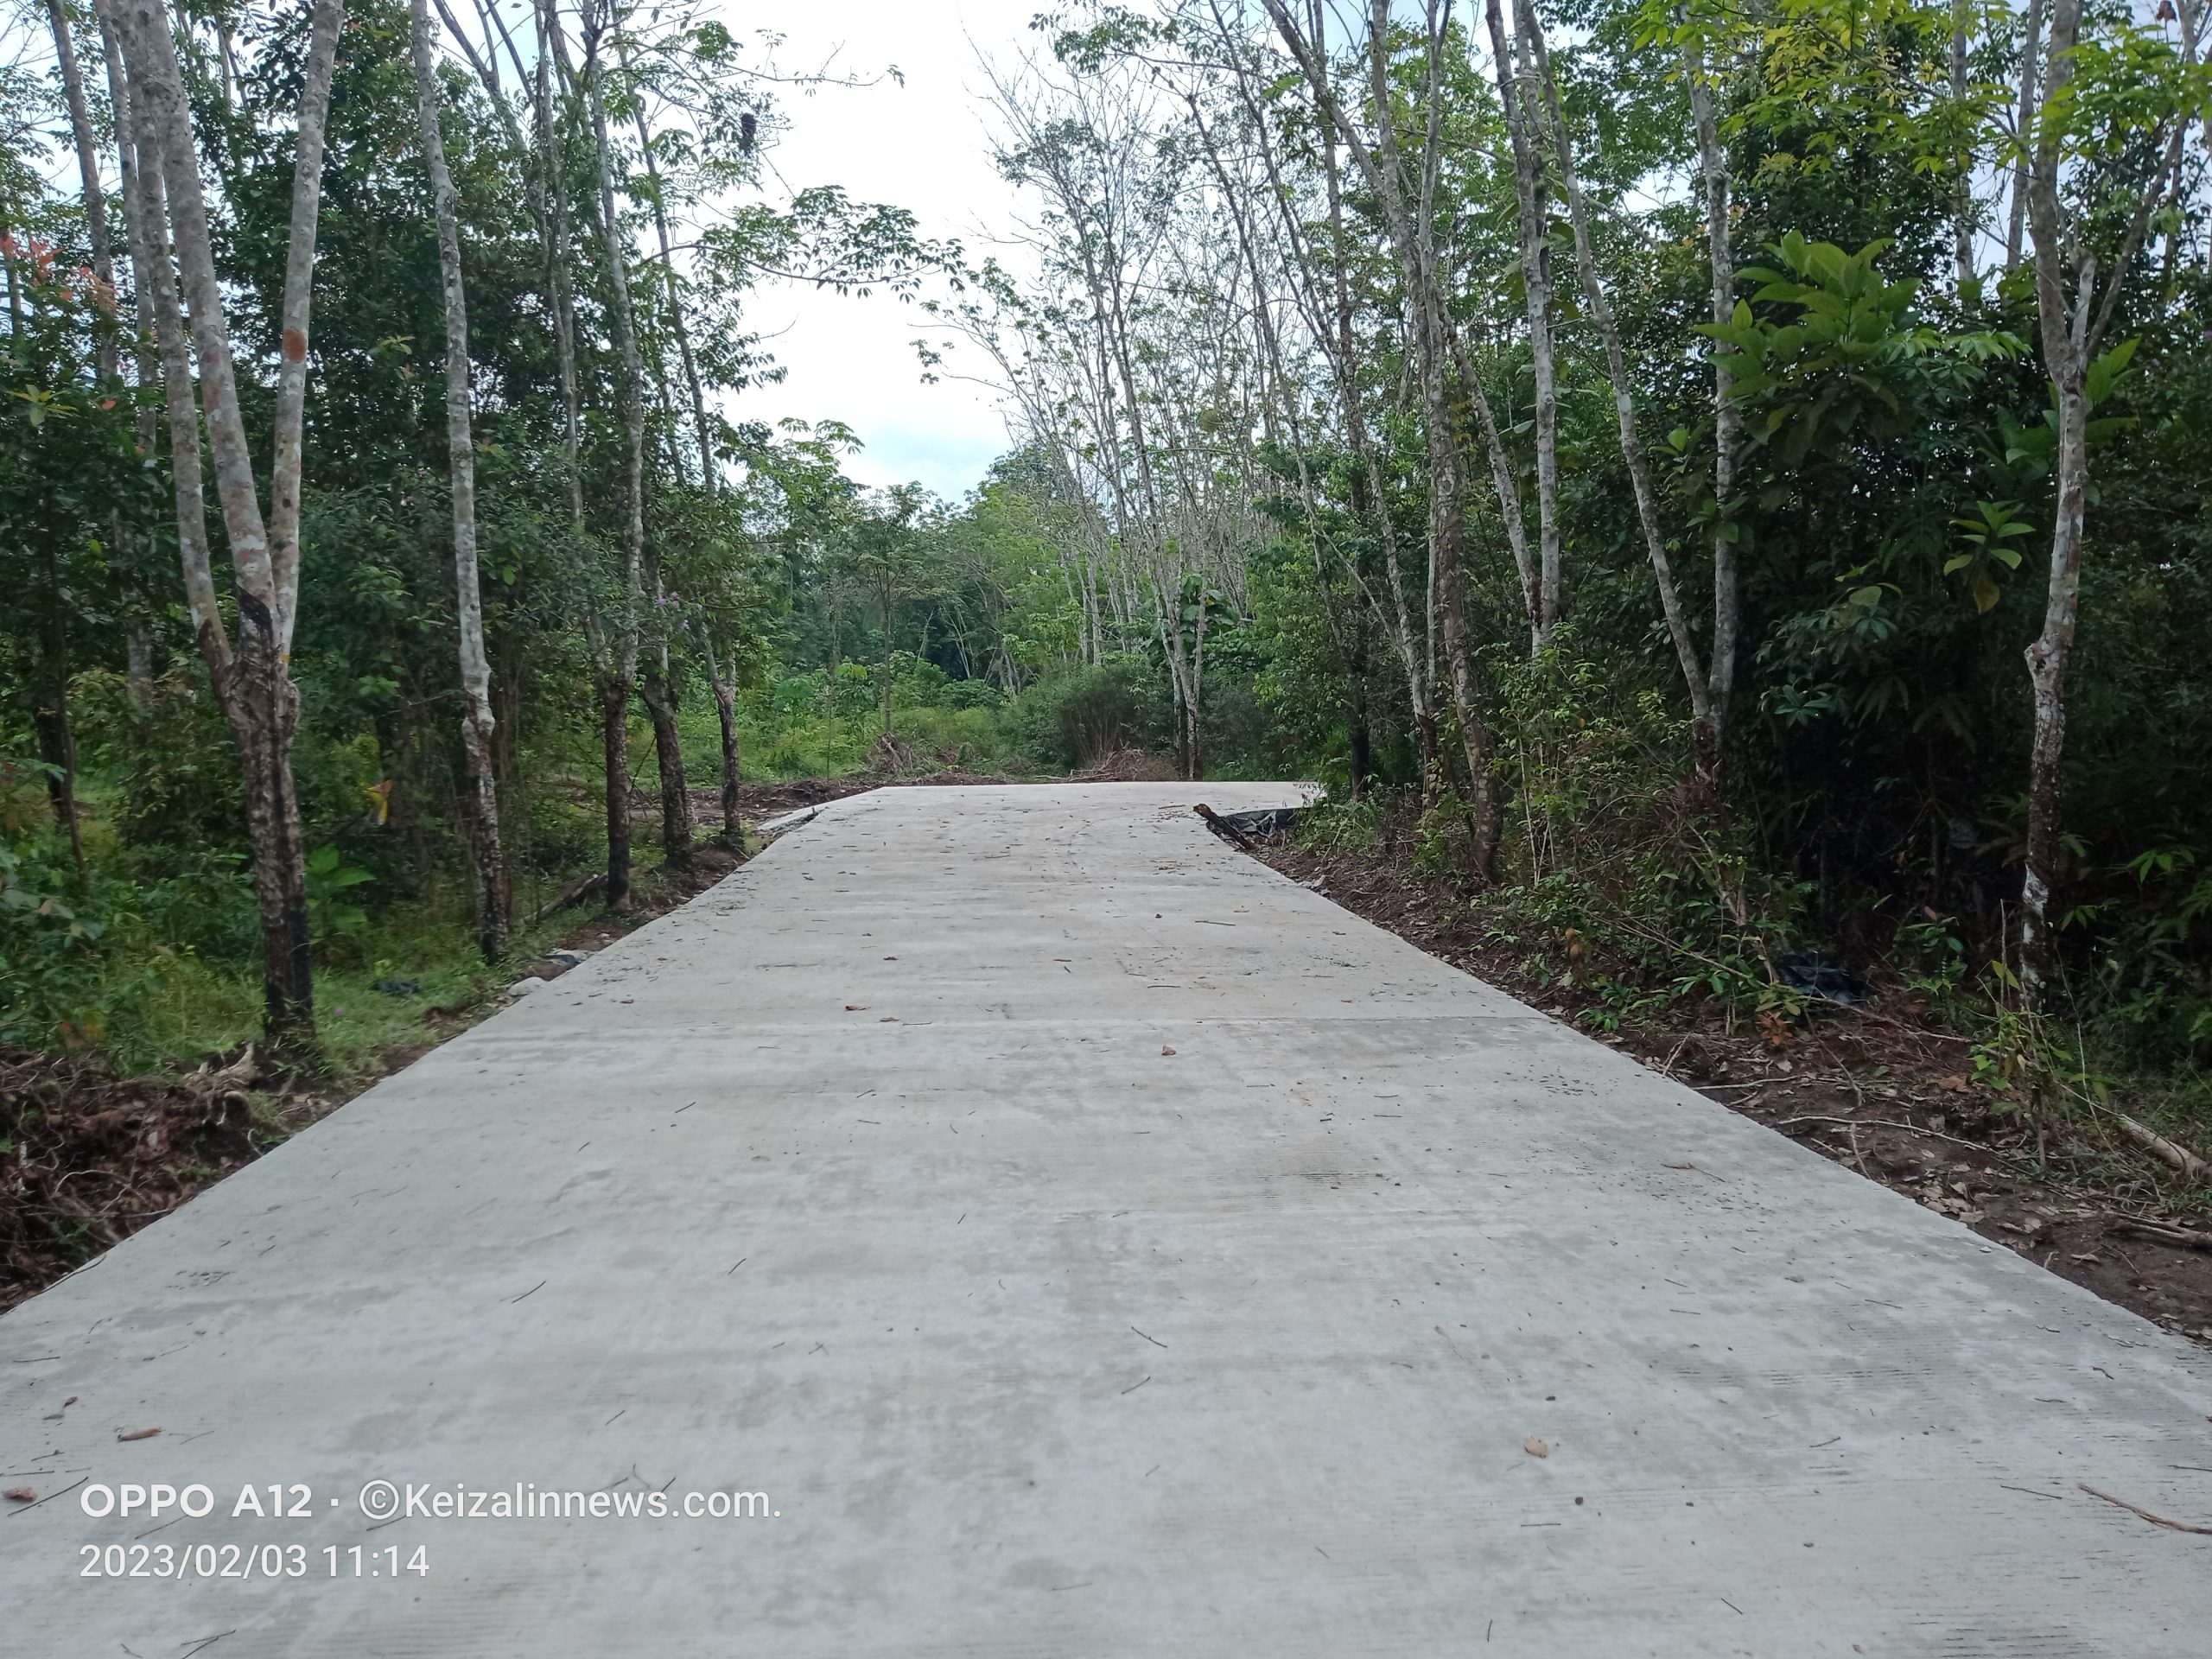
[[1879, 1092], [87, 1158]]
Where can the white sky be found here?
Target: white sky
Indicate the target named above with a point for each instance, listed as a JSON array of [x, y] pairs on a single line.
[[922, 146]]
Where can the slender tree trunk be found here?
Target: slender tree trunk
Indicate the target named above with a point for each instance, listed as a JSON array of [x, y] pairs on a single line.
[[659, 693], [57, 744], [2030, 52], [701, 427], [1710, 733], [614, 747], [2066, 358], [88, 174], [725, 711], [253, 683], [1706, 717], [1536, 285], [558, 258], [477, 723], [2071, 334], [620, 670], [138, 636], [1963, 192], [1432, 341]]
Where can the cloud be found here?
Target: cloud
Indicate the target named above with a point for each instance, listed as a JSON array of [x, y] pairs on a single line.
[[922, 145]]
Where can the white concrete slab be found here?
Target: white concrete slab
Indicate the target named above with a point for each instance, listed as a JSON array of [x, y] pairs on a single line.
[[865, 1182]]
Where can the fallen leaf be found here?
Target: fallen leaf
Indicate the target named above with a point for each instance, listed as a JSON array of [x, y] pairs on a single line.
[[70, 1402], [1534, 1447], [139, 1434], [20, 1494], [1166, 1050], [888, 1019], [1955, 1085], [855, 1007]]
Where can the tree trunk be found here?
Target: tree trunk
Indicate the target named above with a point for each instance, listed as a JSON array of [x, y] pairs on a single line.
[[621, 673], [1709, 732], [2066, 348], [88, 174], [726, 712], [702, 429], [2071, 336], [138, 633], [1706, 718], [1536, 283], [1432, 342], [661, 693], [477, 724], [2030, 50], [1963, 192], [614, 742], [557, 257], [254, 683]]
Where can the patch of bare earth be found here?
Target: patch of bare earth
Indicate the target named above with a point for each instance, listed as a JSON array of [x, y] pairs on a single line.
[[88, 1157], [1879, 1091]]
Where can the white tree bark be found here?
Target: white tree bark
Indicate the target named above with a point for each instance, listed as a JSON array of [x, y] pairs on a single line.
[[253, 683], [477, 724]]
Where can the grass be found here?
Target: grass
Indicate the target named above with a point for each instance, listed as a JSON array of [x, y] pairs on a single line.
[[186, 1006]]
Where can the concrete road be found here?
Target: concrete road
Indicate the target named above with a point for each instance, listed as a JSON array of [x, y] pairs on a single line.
[[1088, 1243]]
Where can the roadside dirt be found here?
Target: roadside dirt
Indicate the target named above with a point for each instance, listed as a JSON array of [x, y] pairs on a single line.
[[87, 1158], [1876, 1091]]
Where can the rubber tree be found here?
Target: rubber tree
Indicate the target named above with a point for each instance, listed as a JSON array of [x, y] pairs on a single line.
[[616, 646], [1708, 680], [1531, 188], [251, 675], [2073, 129], [1436, 345], [138, 640], [494, 919]]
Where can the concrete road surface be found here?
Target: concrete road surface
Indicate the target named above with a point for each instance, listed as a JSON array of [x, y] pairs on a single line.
[[1072, 1238]]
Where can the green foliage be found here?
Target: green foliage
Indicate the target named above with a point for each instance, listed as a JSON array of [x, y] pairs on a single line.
[[1615, 878], [50, 978], [1078, 719]]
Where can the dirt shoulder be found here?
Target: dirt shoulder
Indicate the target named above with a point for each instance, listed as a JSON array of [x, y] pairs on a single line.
[[1884, 1096], [87, 1158]]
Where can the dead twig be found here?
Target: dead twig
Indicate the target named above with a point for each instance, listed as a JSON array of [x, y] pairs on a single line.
[[2165, 1233], [2192, 1166], [2155, 1520], [1881, 1124], [1223, 828], [570, 895]]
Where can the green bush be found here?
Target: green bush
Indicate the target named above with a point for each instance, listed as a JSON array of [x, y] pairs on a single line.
[[1076, 720]]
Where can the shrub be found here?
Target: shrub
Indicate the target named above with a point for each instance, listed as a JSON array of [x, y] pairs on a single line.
[[1076, 720]]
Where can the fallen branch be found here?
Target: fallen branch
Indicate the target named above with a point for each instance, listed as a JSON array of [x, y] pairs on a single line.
[[1880, 1123], [1223, 828], [581, 890], [2165, 1233], [2192, 1166], [2155, 1520]]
